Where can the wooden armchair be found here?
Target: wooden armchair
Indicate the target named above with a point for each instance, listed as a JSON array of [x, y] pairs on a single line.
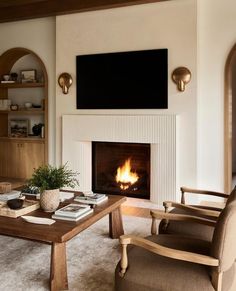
[[163, 262], [190, 228]]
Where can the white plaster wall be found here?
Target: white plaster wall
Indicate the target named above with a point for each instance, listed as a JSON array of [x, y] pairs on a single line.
[[37, 35], [171, 25], [216, 37]]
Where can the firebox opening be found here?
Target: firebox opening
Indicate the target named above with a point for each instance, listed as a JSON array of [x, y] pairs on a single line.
[[121, 168]]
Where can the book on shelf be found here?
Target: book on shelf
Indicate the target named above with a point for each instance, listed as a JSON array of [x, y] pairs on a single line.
[[72, 210], [10, 195], [67, 218], [94, 199], [8, 82]]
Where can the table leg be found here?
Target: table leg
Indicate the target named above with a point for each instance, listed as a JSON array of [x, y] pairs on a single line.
[[115, 223], [58, 272]]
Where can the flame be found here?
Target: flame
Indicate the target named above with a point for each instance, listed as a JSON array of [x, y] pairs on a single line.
[[125, 177]]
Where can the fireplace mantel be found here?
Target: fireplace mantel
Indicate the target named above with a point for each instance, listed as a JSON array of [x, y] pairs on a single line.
[[158, 130]]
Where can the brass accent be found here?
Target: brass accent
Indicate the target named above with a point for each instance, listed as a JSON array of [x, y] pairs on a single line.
[[65, 81], [181, 76]]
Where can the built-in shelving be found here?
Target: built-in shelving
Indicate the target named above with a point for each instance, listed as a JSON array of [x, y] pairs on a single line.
[[19, 156], [23, 112], [21, 85], [28, 139]]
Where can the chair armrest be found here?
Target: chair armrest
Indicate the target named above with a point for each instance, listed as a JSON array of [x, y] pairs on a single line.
[[197, 191], [189, 208], [157, 214], [162, 251]]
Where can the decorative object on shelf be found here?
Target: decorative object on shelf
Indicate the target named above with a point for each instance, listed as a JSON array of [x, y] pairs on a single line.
[[50, 179], [14, 76], [14, 107], [6, 77], [28, 76], [65, 81], [28, 105], [37, 129], [5, 104], [18, 127], [181, 76], [5, 187]]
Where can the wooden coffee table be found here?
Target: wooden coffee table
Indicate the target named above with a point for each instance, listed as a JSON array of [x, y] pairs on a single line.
[[60, 232]]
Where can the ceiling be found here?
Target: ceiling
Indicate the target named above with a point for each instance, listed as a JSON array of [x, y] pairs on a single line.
[[13, 10]]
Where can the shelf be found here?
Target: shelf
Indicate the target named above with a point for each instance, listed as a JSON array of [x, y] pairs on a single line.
[[27, 139], [21, 85], [22, 112]]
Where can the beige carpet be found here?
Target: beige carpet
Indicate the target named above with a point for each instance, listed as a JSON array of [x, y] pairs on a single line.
[[91, 259]]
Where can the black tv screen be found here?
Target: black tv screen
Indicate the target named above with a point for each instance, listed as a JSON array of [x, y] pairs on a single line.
[[123, 80]]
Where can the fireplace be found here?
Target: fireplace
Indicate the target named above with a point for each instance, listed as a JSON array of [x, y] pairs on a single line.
[[160, 131], [121, 168]]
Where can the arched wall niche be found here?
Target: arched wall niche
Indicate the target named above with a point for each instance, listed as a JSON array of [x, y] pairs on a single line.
[[11, 56], [228, 120]]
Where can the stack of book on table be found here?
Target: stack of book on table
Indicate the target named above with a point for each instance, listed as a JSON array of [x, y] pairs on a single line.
[[72, 212], [10, 195], [93, 198]]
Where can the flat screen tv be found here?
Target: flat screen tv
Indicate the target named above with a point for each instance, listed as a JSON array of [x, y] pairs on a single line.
[[123, 80]]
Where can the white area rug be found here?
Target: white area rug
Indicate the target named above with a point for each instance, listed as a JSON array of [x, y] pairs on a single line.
[[91, 259]]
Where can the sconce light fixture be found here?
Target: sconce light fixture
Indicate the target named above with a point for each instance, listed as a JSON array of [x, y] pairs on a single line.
[[65, 81], [181, 76]]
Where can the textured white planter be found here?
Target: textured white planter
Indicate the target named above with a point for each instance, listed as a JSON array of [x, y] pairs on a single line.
[[49, 200]]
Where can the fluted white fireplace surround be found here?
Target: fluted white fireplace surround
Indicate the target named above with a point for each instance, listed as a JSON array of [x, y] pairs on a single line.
[[78, 131]]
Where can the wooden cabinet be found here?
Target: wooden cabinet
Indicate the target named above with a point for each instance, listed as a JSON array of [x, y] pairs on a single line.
[[20, 155], [20, 158]]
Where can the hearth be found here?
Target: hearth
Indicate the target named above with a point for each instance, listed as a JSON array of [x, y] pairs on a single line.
[[121, 168]]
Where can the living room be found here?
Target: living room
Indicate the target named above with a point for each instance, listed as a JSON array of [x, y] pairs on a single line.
[[198, 34]]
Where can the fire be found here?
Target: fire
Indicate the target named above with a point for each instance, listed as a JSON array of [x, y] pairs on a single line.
[[125, 177]]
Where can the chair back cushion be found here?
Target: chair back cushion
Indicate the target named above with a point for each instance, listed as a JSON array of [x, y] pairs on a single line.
[[224, 238]]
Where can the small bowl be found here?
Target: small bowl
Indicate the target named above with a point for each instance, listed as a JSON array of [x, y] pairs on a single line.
[[15, 203], [28, 105]]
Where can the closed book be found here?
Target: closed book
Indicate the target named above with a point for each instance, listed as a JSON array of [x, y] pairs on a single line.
[[11, 195], [90, 201], [67, 218], [72, 210], [95, 196]]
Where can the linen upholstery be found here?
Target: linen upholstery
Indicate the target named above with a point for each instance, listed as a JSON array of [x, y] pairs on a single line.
[[224, 238], [190, 228], [148, 271]]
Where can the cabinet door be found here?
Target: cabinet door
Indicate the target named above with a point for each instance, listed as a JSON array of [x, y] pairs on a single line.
[[3, 158], [19, 159], [31, 158], [13, 157]]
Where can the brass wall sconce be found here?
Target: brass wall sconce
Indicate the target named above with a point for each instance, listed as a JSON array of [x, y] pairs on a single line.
[[65, 81], [181, 76]]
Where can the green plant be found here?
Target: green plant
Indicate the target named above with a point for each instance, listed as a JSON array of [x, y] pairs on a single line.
[[48, 177]]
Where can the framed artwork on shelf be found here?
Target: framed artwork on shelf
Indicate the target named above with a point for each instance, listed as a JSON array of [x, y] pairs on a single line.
[[28, 76], [18, 128]]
